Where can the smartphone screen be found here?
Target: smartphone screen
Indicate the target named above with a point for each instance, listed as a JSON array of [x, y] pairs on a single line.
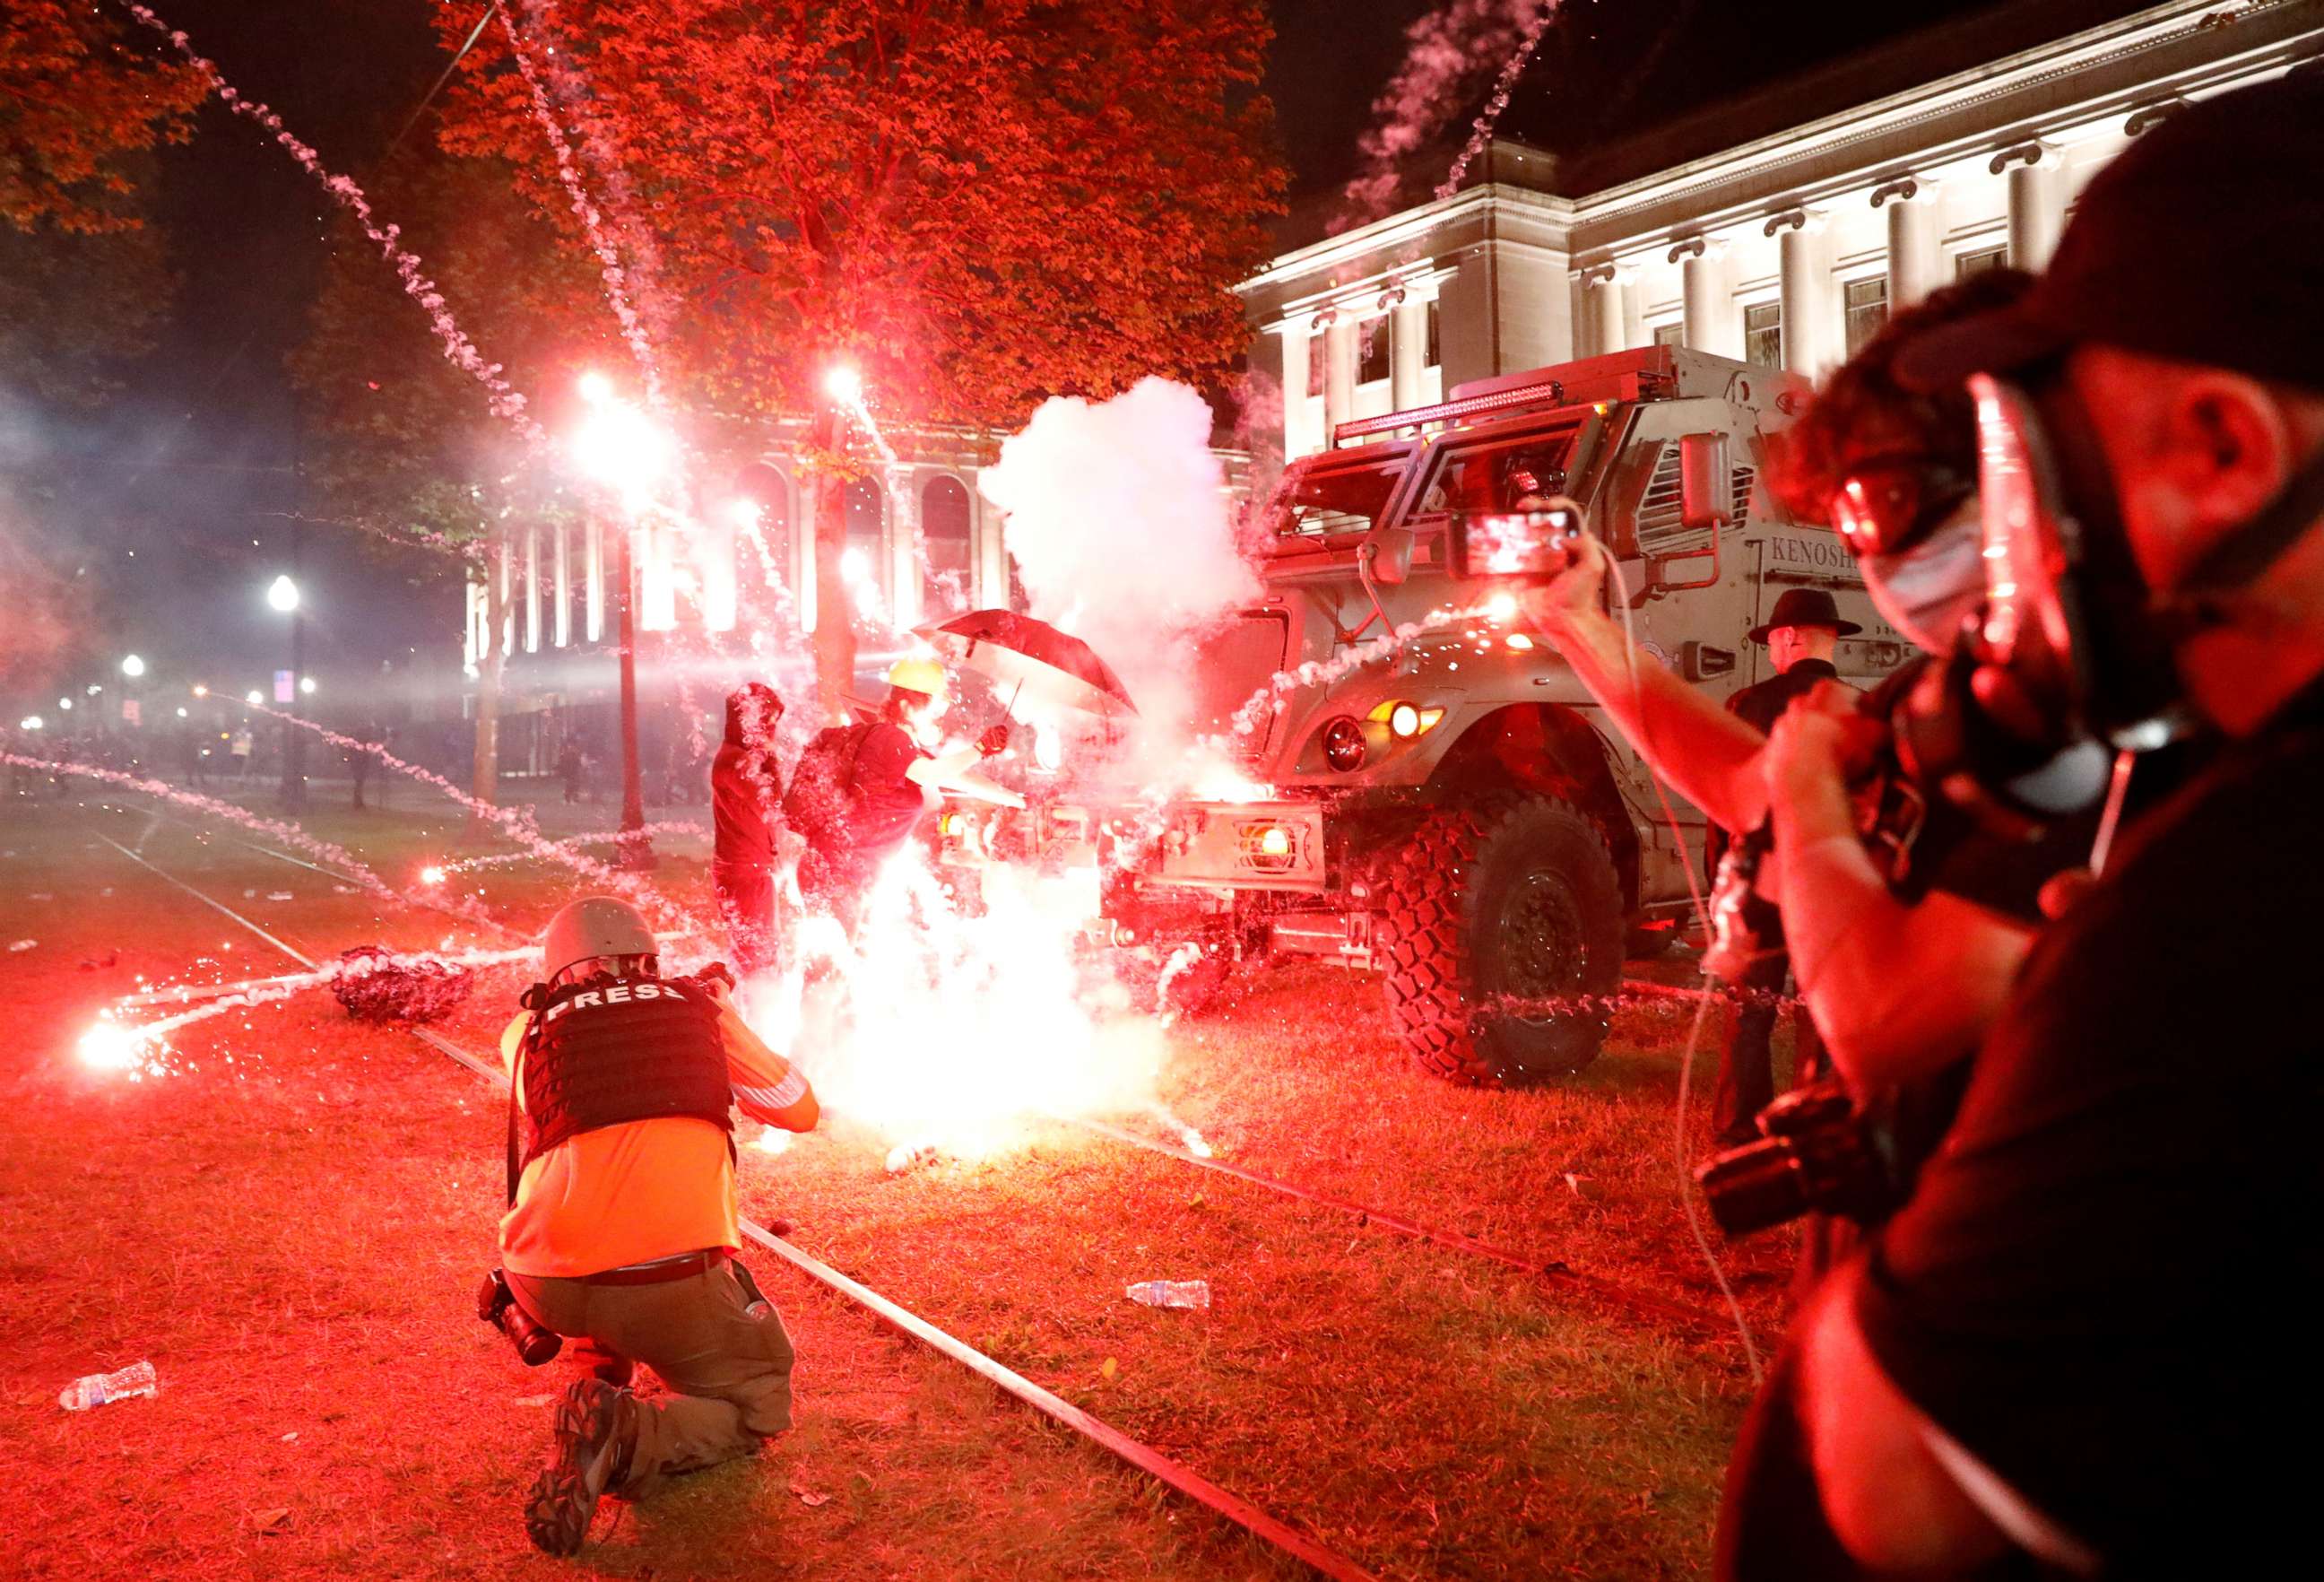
[[1525, 546]]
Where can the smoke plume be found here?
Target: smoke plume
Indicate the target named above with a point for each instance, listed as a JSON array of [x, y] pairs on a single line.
[[1123, 532]]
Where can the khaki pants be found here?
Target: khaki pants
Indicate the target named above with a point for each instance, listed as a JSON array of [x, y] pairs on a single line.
[[729, 1374]]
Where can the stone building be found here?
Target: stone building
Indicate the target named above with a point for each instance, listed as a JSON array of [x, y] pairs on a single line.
[[1787, 249]]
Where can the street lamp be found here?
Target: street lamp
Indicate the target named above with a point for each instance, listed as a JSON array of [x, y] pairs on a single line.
[[132, 667], [622, 448], [307, 686], [253, 697], [282, 598]]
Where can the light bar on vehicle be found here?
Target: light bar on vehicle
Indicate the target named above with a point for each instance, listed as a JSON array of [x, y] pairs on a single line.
[[1444, 412]]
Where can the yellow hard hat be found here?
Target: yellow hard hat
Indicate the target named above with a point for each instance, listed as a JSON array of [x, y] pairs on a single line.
[[918, 673]]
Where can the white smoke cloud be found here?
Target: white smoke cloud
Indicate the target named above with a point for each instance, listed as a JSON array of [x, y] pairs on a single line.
[[1124, 533]]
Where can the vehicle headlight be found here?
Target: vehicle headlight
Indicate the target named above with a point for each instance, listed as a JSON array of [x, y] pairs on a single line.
[[1343, 745], [1404, 720]]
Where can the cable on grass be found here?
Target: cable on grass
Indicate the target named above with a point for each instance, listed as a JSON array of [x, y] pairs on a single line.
[[1702, 1007]]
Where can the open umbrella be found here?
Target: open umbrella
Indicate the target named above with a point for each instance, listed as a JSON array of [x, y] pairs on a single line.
[[1020, 652]]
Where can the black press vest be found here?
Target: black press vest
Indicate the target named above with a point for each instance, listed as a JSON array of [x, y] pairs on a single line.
[[603, 1053]]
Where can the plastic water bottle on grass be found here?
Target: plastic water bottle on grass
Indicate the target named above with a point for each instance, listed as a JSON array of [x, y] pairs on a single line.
[[137, 1379], [1172, 1293]]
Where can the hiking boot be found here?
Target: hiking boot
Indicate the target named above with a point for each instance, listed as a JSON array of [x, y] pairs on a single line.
[[596, 1430]]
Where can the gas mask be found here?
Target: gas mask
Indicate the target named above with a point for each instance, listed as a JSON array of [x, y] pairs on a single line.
[[1929, 591], [2070, 660]]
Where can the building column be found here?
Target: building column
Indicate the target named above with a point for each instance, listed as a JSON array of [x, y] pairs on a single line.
[[563, 630], [595, 556], [1803, 297], [1710, 323], [1293, 338], [2033, 209], [1407, 347], [905, 557], [1609, 321], [1339, 374], [532, 591], [1913, 256]]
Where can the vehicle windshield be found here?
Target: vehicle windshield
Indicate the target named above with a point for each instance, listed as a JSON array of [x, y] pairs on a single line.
[[1517, 472], [1330, 495]]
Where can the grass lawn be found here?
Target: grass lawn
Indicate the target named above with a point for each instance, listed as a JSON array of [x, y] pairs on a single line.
[[292, 1223]]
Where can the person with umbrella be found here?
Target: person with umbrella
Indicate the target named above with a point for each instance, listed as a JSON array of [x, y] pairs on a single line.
[[860, 790]]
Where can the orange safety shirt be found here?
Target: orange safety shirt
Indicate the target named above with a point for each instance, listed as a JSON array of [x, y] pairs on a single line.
[[644, 1190]]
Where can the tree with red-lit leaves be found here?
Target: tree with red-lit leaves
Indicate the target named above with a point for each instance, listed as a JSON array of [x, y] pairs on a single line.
[[976, 204], [78, 98], [82, 106]]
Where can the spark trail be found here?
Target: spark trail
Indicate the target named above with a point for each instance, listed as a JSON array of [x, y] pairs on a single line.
[[516, 826], [276, 829], [1482, 128], [611, 269], [605, 837], [505, 400], [1321, 672]]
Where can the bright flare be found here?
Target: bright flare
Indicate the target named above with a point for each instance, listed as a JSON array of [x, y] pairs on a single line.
[[431, 874], [132, 667], [843, 384], [282, 595], [253, 697], [1501, 608], [110, 1047]]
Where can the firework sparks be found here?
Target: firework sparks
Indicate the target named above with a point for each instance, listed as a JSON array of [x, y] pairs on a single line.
[[458, 349]]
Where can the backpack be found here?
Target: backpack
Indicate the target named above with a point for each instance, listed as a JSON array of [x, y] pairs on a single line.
[[823, 782]]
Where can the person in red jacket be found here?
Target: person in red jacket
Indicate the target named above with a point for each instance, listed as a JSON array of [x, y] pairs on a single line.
[[872, 791], [746, 794]]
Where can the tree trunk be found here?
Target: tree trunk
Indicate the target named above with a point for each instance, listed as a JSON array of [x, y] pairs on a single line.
[[835, 604], [485, 786]]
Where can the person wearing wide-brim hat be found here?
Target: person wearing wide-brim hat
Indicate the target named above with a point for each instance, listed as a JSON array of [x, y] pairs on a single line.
[[1802, 634], [1804, 610]]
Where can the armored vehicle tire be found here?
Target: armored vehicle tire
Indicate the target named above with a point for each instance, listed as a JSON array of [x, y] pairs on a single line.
[[1516, 899]]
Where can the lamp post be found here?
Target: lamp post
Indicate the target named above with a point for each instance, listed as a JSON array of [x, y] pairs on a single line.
[[282, 598], [620, 446], [633, 848]]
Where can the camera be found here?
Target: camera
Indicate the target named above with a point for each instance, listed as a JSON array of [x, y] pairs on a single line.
[[1524, 546], [1822, 1154], [496, 1305]]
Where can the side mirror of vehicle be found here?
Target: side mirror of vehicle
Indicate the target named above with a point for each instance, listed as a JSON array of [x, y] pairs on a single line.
[[1389, 551], [1706, 487]]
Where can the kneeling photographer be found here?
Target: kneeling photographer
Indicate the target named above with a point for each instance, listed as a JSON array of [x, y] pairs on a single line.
[[2075, 1347], [622, 1227]]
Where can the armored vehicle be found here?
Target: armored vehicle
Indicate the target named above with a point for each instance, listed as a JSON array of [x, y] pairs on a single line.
[[1452, 809]]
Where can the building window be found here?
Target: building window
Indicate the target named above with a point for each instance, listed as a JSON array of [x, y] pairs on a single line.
[[1319, 352], [1967, 264], [766, 528], [1671, 334], [1868, 310], [1371, 351], [1763, 334], [1434, 358], [947, 580]]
